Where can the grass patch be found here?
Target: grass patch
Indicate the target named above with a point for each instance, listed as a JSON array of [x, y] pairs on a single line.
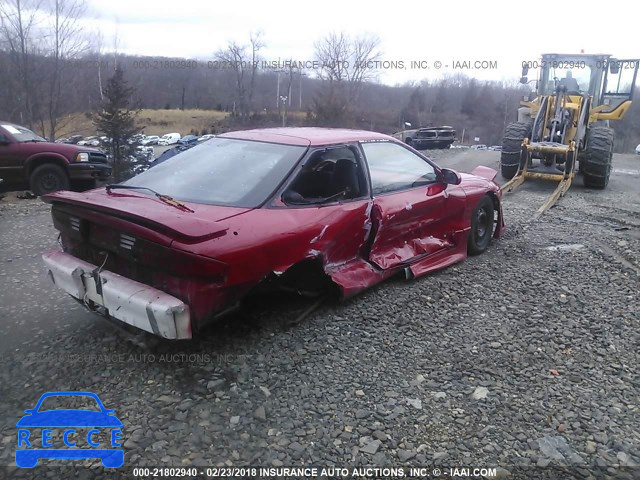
[[155, 122]]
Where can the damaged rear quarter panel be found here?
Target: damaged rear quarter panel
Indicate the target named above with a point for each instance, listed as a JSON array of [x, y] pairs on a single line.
[[270, 240]]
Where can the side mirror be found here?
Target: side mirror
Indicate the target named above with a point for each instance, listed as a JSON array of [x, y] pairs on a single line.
[[450, 177], [524, 80]]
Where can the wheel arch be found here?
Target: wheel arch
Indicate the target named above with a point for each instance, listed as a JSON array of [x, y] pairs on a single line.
[[42, 159]]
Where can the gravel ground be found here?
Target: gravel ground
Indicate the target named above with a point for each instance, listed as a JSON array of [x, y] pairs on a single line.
[[524, 358]]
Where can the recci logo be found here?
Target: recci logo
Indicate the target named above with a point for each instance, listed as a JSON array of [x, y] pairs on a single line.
[[102, 439]]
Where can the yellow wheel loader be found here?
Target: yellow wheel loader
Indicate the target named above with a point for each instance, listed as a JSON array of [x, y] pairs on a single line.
[[565, 128]]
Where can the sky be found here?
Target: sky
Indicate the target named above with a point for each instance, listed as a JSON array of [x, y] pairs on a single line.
[[486, 39]]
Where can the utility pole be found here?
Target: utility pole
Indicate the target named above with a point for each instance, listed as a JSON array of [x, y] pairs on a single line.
[[302, 74], [278, 89], [284, 99]]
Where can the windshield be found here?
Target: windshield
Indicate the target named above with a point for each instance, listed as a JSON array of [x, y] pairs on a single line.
[[223, 171], [22, 134], [575, 76]]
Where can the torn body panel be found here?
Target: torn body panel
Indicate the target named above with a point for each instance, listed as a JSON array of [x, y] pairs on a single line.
[[403, 234]]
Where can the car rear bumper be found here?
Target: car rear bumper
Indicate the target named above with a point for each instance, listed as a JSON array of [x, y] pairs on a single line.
[[115, 296], [88, 171]]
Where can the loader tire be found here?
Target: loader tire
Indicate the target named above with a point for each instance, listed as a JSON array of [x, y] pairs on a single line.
[[514, 134], [596, 160]]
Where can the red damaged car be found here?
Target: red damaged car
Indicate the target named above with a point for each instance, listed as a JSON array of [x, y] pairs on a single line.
[[175, 247]]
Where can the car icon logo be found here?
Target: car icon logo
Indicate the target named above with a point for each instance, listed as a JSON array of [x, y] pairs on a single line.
[[83, 432]]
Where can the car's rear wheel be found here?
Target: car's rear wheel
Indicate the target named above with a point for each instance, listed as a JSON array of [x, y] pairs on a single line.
[[48, 178], [481, 226]]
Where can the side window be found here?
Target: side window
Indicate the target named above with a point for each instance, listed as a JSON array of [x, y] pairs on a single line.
[[328, 174], [393, 167]]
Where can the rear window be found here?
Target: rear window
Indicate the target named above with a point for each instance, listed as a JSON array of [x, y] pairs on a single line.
[[222, 171]]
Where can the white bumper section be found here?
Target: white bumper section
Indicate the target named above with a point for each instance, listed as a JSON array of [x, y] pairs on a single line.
[[131, 302]]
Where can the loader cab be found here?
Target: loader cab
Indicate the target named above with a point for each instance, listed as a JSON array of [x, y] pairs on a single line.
[[608, 81], [580, 74]]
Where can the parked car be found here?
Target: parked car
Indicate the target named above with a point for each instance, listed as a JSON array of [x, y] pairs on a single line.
[[144, 150], [304, 209], [74, 139], [150, 140], [136, 139], [170, 152], [188, 140], [495, 148], [48, 166], [90, 141], [206, 137], [638, 150], [169, 139], [428, 137], [479, 147]]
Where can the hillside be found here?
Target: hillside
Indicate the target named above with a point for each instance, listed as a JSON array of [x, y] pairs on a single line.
[[155, 122]]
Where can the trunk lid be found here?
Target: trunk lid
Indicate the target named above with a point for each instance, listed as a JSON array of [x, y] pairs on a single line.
[[150, 212]]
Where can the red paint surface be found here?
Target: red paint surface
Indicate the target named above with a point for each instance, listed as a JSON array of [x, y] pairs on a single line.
[[214, 256]]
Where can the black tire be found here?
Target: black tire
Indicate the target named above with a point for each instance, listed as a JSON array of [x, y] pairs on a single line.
[[514, 134], [48, 178], [408, 141], [481, 226], [596, 160]]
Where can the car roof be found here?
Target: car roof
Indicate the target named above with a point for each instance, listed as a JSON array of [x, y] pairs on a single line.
[[306, 136]]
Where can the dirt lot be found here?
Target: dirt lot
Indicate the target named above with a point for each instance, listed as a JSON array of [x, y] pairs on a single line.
[[525, 358]]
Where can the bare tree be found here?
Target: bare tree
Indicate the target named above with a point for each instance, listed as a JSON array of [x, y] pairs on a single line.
[[234, 58], [18, 20], [256, 42], [65, 44], [345, 64], [244, 64]]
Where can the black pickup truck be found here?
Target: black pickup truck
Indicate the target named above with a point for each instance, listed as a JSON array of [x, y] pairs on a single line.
[[428, 137]]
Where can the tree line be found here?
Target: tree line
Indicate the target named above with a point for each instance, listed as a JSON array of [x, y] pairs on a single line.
[[50, 68]]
